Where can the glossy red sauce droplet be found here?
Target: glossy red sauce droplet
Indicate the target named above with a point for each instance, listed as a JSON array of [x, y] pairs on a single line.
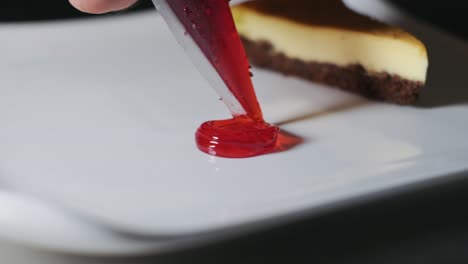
[[211, 26], [239, 137]]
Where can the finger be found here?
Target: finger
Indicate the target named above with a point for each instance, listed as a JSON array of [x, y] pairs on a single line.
[[101, 6]]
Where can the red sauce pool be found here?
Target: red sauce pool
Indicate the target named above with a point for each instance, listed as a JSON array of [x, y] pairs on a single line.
[[211, 26]]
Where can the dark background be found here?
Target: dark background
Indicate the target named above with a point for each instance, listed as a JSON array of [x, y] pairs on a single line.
[[425, 225], [17, 10], [450, 15]]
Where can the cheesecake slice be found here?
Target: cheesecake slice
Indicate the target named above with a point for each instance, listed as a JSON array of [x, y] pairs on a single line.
[[326, 42]]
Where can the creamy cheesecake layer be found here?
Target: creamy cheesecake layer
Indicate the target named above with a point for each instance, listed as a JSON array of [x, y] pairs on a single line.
[[374, 45]]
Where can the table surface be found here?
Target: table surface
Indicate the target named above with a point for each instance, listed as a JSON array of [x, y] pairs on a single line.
[[427, 225]]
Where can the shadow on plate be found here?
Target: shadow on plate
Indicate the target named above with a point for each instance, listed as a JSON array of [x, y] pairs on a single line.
[[325, 112], [287, 140]]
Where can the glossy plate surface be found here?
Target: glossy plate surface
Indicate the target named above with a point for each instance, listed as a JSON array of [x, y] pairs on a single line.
[[99, 117]]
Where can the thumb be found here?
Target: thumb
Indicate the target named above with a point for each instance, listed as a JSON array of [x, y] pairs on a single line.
[[101, 6]]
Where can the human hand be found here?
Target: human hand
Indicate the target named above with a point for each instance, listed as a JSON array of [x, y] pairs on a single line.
[[101, 6]]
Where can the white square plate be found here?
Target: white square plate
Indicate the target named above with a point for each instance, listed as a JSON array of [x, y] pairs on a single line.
[[99, 116]]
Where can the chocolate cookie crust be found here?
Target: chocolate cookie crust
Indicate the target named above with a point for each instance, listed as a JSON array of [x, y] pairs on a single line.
[[354, 78]]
